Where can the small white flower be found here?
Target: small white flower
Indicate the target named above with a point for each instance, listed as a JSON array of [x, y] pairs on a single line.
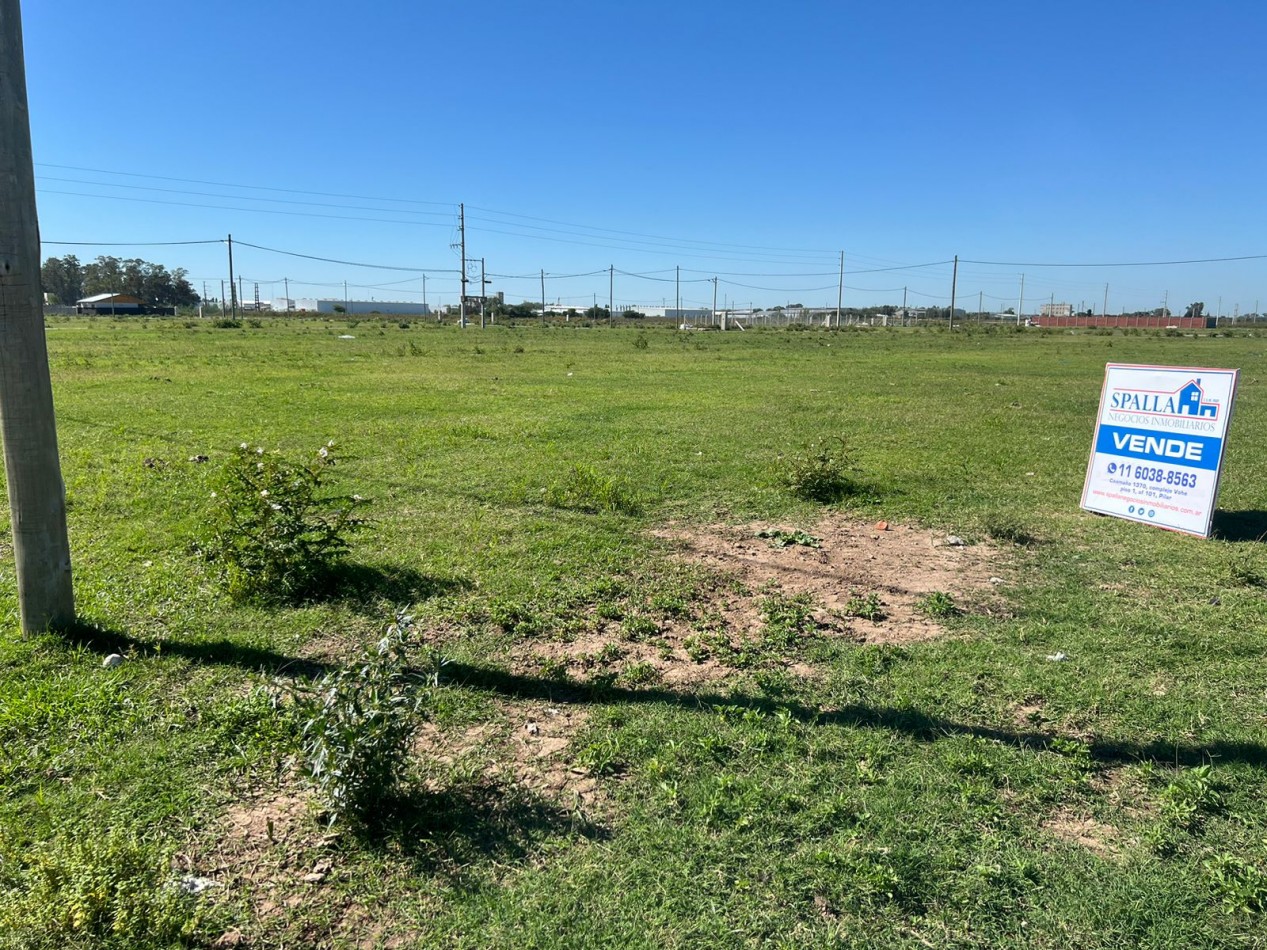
[[275, 506], [264, 493], [330, 444], [323, 451], [243, 446], [356, 498], [259, 466], [259, 450], [214, 495]]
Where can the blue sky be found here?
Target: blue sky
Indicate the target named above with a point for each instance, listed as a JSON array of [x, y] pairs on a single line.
[[748, 141]]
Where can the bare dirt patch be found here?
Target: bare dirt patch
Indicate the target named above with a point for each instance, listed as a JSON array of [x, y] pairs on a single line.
[[900, 564], [1095, 836], [862, 581], [527, 745]]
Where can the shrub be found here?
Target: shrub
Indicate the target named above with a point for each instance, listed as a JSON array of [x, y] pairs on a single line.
[[640, 341], [357, 723], [226, 323], [821, 473], [273, 532]]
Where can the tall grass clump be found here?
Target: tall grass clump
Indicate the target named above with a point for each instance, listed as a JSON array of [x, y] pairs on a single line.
[[274, 530]]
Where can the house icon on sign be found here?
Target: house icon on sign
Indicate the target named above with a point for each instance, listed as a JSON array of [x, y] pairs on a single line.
[[1191, 400]]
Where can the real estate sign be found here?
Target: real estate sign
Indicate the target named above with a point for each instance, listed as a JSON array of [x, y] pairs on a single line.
[[1158, 449]]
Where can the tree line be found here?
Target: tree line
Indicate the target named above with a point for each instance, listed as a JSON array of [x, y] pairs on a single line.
[[67, 280]]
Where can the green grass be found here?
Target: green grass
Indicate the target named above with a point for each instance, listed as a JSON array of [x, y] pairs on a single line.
[[903, 796]]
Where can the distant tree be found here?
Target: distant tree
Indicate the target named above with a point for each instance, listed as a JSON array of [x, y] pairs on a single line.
[[63, 277], [596, 313], [523, 311], [632, 314], [1195, 309], [154, 284]]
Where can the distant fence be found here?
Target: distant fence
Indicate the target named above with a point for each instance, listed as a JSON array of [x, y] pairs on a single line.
[[1159, 323]]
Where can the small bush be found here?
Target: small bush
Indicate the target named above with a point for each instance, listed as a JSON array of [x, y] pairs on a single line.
[[356, 728], [273, 532], [226, 323], [821, 473], [640, 341]]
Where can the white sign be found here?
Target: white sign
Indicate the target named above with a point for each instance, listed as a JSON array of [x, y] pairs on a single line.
[[1158, 448]]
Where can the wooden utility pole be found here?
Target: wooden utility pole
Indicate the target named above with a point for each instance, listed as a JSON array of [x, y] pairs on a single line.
[[37, 496]]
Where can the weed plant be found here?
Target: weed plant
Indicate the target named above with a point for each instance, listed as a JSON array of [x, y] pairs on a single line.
[[356, 726], [274, 531], [823, 472]]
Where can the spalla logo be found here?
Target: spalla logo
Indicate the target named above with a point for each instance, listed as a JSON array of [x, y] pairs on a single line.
[[1188, 400]]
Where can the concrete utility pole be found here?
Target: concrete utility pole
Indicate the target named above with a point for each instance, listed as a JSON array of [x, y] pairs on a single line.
[[1104, 311], [543, 297], [1020, 304], [37, 497], [462, 238], [840, 288], [611, 294], [954, 282], [483, 293], [232, 287]]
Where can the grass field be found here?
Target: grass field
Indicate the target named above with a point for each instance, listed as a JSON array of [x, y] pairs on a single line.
[[962, 790]]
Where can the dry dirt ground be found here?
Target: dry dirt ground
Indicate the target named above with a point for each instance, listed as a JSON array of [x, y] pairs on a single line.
[[847, 563], [272, 852]]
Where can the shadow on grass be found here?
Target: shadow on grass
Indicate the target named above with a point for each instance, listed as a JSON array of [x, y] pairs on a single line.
[[1239, 525], [106, 640], [919, 725], [455, 829], [366, 584]]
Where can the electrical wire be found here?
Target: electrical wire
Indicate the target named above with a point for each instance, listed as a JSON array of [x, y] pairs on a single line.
[[331, 260]]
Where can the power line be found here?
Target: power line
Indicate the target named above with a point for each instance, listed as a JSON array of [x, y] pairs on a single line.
[[331, 260], [212, 194], [223, 184], [294, 214], [128, 243], [1206, 260]]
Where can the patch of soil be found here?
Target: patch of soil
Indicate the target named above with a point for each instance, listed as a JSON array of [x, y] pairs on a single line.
[[898, 563], [1093, 835], [527, 745], [856, 566]]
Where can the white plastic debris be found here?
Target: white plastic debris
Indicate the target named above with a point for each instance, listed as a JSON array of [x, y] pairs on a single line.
[[113, 660], [954, 540], [997, 580], [1057, 657], [193, 884], [346, 336], [533, 728]]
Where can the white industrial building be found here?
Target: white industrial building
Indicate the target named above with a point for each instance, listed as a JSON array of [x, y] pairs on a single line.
[[366, 308]]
